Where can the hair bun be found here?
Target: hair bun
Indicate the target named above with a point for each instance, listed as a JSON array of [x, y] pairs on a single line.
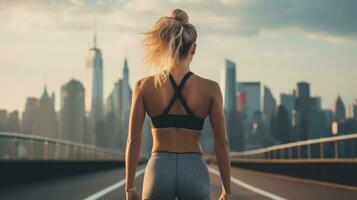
[[180, 15]]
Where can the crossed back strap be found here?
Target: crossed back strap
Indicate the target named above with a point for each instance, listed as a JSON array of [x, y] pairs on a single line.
[[178, 94]]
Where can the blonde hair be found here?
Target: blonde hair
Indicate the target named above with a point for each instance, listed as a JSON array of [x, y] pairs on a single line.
[[168, 42]]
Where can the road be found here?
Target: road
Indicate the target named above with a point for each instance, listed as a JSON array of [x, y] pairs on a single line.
[[246, 185]]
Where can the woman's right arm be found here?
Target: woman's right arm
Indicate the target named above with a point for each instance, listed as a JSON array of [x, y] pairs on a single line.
[[221, 144]]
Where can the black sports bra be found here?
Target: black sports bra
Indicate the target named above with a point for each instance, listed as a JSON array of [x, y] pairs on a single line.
[[190, 121]]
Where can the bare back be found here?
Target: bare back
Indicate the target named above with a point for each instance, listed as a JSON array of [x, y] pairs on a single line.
[[197, 92], [177, 111]]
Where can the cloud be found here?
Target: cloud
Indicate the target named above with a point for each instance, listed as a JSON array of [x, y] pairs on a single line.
[[325, 20], [330, 18]]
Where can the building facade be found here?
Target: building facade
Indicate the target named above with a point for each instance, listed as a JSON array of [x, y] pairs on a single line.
[[302, 106], [252, 91], [14, 122], [288, 101], [228, 88], [339, 110], [96, 119], [45, 121], [72, 112], [28, 116], [269, 106], [117, 111]]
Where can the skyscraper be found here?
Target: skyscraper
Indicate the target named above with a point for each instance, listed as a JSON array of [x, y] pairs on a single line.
[[28, 116], [228, 77], [303, 90], [112, 117], [95, 62], [72, 113], [339, 110], [282, 125], [117, 111], [302, 106], [228, 88], [251, 109], [317, 124], [269, 107], [288, 101], [45, 123]]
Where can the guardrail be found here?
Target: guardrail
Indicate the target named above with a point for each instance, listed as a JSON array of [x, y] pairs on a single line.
[[334, 148], [19, 146]]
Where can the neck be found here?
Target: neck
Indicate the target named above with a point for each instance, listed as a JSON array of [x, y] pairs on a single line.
[[180, 69]]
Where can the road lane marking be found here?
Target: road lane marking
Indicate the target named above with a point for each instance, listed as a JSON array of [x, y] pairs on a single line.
[[108, 189], [249, 187]]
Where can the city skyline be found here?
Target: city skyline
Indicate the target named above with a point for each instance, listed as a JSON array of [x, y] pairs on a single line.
[[316, 55], [262, 85]]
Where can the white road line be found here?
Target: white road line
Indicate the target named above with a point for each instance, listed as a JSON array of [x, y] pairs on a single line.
[[105, 191], [249, 187]]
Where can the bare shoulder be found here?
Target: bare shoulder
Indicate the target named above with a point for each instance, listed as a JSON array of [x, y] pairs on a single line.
[[143, 83], [209, 85]]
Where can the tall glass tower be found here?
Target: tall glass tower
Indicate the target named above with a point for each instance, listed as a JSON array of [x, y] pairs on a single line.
[[233, 119], [228, 78], [95, 62]]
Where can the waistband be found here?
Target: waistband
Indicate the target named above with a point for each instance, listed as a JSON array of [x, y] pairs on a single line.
[[169, 152]]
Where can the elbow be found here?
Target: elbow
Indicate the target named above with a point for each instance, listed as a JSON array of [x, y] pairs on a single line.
[[222, 149], [133, 142], [132, 146]]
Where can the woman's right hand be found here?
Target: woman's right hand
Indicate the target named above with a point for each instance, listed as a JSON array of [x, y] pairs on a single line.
[[133, 195], [225, 196]]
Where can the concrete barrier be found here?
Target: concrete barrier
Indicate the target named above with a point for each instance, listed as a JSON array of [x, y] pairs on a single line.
[[14, 172], [334, 172]]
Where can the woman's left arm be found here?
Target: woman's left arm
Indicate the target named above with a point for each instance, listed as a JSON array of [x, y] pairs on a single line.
[[133, 146]]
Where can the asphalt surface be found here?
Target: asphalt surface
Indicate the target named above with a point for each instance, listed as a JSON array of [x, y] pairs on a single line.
[[246, 184]]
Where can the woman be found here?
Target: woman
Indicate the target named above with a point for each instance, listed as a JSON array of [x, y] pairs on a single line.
[[177, 102]]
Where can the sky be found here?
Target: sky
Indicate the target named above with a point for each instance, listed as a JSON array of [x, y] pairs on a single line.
[[276, 42]]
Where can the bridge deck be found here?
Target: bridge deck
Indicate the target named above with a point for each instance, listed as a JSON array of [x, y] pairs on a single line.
[[246, 184]]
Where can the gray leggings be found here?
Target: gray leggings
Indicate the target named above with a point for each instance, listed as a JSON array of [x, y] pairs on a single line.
[[182, 175]]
